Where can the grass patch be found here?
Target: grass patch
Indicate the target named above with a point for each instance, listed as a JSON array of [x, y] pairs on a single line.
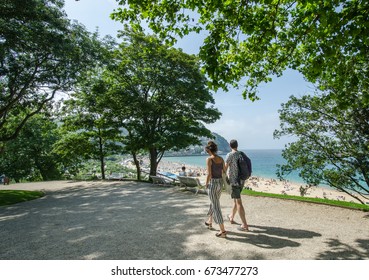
[[8, 197], [339, 203]]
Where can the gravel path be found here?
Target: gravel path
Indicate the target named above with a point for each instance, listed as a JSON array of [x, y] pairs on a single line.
[[129, 220]]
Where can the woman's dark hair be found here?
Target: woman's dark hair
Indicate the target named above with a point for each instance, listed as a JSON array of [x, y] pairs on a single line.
[[212, 147]]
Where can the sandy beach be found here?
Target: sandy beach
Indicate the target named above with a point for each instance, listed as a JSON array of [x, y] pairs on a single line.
[[290, 188], [267, 185]]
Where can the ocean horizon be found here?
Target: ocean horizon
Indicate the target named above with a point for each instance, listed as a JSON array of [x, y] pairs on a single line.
[[264, 163]]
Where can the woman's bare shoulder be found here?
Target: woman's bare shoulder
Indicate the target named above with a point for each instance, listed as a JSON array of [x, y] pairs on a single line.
[[218, 159]]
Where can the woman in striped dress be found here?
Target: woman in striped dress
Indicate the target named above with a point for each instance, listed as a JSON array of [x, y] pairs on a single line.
[[214, 185]]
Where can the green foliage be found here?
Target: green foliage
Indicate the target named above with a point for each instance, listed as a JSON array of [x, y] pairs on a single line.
[[88, 134], [30, 156], [326, 40], [113, 164], [333, 143], [72, 149], [223, 146], [41, 53], [158, 95], [8, 197]]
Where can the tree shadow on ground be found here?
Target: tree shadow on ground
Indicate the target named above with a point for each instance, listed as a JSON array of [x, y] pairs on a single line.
[[131, 221], [341, 251], [271, 237], [136, 221]]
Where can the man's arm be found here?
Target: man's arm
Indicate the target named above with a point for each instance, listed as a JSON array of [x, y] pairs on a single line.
[[226, 165]]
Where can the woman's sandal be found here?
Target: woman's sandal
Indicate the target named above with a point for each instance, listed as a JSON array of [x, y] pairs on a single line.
[[209, 225], [222, 234], [231, 221], [243, 228]]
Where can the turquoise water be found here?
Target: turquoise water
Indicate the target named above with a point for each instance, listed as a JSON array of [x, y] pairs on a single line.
[[264, 163]]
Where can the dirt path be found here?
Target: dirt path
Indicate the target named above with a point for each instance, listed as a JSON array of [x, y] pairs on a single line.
[[128, 220]]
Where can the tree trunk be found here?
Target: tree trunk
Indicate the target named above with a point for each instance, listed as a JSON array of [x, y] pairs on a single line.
[[153, 161], [102, 164], [102, 159], [138, 167]]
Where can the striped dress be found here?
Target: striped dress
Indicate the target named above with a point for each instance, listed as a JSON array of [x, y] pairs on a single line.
[[215, 190]]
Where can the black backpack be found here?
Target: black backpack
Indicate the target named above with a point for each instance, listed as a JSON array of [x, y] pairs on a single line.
[[244, 166]]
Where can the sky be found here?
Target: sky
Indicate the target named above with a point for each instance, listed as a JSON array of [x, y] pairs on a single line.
[[251, 123]]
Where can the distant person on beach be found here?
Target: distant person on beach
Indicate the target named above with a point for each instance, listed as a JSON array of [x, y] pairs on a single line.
[[183, 172], [5, 180], [214, 184], [236, 184]]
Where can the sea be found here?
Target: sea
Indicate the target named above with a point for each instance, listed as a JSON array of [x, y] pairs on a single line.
[[264, 163]]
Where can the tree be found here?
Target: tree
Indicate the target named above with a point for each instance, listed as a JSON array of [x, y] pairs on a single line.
[[159, 95], [41, 53], [30, 156], [88, 134], [326, 40], [333, 144]]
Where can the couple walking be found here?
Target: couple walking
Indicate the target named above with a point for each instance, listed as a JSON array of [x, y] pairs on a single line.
[[214, 183]]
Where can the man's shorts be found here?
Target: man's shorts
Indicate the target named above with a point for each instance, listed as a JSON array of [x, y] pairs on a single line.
[[236, 191]]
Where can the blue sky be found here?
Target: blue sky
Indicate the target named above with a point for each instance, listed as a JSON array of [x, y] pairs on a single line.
[[251, 123]]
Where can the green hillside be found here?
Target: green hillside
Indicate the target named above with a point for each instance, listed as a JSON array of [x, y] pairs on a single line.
[[222, 143]]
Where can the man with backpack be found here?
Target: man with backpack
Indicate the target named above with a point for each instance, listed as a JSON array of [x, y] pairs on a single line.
[[239, 169]]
